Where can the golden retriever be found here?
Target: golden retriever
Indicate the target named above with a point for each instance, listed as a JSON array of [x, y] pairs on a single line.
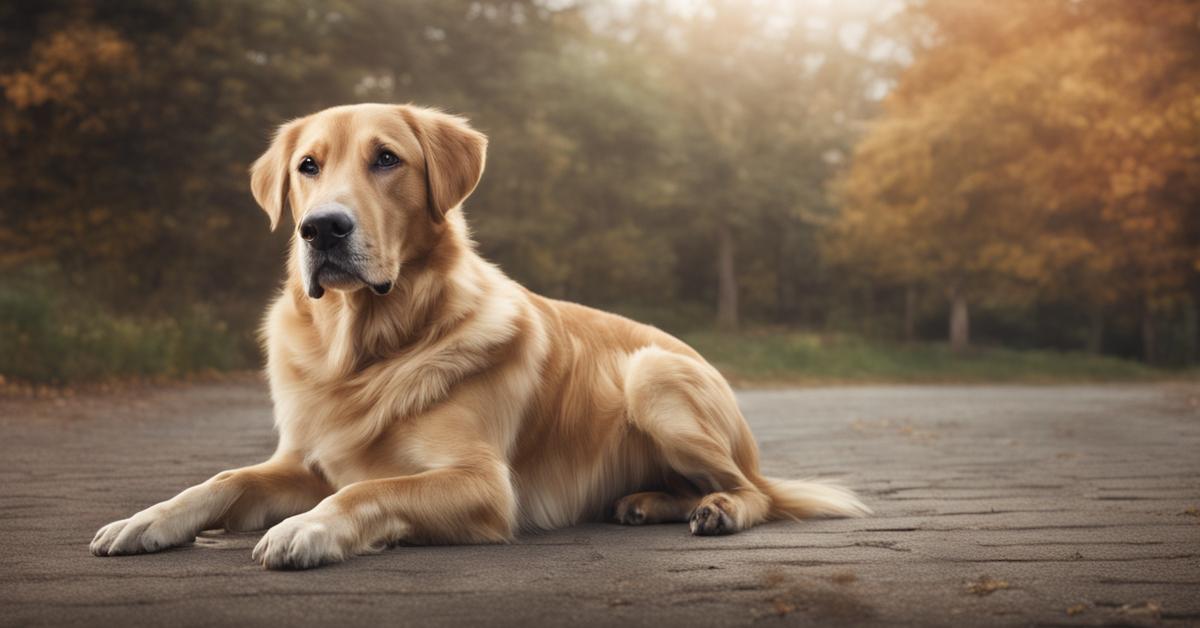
[[421, 396]]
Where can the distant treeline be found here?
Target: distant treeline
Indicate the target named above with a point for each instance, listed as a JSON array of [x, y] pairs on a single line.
[[1026, 170]]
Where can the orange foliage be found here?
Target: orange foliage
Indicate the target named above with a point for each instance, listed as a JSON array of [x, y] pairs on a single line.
[[63, 62], [1036, 145]]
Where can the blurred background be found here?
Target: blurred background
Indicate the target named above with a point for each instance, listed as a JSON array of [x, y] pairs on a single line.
[[807, 190]]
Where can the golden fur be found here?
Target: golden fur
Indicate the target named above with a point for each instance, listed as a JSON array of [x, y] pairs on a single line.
[[458, 407]]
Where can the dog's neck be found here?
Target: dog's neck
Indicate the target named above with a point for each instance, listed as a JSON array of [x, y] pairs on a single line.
[[433, 292]]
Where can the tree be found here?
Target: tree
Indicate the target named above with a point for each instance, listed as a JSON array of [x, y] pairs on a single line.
[[1019, 157], [762, 105]]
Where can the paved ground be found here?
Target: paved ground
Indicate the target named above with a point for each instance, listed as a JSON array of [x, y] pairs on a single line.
[[995, 506]]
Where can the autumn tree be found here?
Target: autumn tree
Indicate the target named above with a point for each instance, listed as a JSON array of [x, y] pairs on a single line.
[[134, 124], [1032, 148]]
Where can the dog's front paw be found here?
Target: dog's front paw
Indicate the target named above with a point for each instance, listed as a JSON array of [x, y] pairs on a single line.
[[148, 531], [302, 542]]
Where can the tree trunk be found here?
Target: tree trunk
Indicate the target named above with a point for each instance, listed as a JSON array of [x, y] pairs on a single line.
[[1149, 336], [960, 323], [1095, 338], [785, 289], [868, 324], [727, 292], [1191, 324], [910, 314]]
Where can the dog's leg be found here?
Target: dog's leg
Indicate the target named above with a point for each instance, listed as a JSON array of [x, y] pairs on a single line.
[[654, 507], [690, 414], [461, 504], [242, 499]]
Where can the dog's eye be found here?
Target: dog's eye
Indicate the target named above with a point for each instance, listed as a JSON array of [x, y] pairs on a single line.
[[386, 159], [309, 166]]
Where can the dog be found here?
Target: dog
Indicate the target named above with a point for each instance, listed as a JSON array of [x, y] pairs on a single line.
[[421, 396]]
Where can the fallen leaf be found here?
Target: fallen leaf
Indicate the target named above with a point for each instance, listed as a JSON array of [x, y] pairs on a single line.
[[781, 606], [986, 586], [844, 577], [1149, 608]]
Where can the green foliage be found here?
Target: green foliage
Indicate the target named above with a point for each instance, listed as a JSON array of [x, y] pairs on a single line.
[[53, 336]]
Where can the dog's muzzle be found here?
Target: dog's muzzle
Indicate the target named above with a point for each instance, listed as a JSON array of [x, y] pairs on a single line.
[[331, 256]]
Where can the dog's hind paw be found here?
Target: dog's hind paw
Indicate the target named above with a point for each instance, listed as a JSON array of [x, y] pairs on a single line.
[[629, 511], [710, 518]]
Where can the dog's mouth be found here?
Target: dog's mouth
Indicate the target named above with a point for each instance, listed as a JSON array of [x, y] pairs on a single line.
[[330, 274]]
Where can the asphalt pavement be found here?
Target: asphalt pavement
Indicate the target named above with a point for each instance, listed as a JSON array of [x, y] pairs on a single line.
[[995, 505]]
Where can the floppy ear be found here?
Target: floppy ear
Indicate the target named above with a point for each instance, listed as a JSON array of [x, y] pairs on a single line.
[[270, 172], [454, 157]]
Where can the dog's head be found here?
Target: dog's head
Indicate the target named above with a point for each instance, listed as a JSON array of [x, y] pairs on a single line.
[[369, 187]]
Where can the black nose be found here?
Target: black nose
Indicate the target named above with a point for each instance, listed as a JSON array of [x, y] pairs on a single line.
[[325, 230]]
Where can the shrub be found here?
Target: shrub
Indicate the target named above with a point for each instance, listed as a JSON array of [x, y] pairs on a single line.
[[55, 337]]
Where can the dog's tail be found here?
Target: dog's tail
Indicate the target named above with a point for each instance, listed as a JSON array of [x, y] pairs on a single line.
[[799, 499]]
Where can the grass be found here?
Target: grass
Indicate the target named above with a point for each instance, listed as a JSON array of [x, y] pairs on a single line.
[[50, 338], [790, 357], [56, 338]]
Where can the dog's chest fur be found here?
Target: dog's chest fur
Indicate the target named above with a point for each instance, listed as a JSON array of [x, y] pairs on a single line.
[[531, 382], [393, 416]]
